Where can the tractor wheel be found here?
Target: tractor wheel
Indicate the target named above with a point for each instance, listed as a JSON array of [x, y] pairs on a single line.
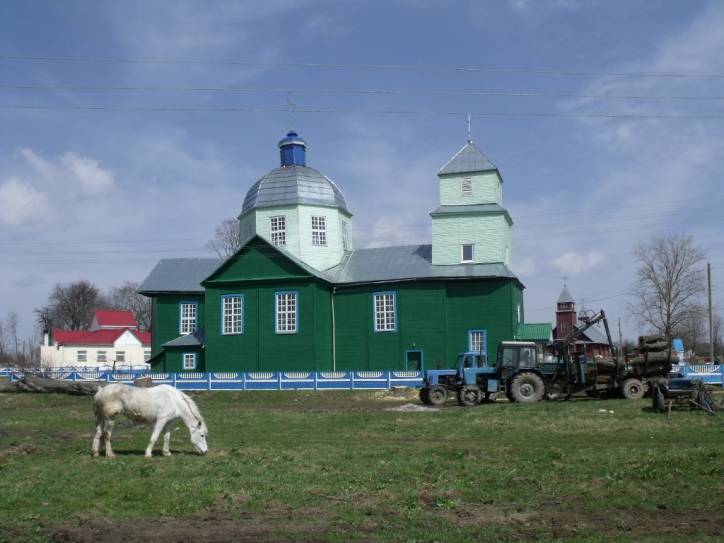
[[632, 389], [469, 396], [527, 387], [437, 395], [657, 398], [425, 395]]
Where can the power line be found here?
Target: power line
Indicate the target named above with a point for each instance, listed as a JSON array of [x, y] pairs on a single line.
[[551, 308], [384, 92], [490, 114], [346, 66]]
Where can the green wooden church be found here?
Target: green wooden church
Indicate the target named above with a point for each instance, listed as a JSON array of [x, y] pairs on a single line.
[[298, 296]]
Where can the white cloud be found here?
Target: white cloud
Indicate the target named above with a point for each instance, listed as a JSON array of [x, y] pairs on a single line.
[[21, 203], [92, 178], [573, 263]]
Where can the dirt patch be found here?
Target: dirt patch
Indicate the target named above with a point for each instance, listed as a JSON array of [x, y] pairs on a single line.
[[554, 524], [278, 524], [23, 449]]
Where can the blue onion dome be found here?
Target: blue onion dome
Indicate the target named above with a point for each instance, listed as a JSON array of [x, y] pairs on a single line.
[[293, 182]]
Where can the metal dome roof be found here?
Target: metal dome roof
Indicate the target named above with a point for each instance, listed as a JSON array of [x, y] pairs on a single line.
[[294, 184]]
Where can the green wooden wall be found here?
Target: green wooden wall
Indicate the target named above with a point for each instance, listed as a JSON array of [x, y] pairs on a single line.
[[166, 315], [171, 360]]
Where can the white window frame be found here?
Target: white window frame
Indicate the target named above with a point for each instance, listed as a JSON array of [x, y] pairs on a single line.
[[476, 338], [120, 356], [232, 314], [384, 307], [462, 252], [319, 230], [146, 355], [188, 313], [101, 356], [286, 312], [189, 361], [517, 312], [278, 230], [466, 186], [346, 245], [81, 356]]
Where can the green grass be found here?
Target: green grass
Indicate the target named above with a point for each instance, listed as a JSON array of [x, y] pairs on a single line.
[[290, 466]]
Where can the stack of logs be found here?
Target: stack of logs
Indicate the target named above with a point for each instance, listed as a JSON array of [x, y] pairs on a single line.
[[653, 357]]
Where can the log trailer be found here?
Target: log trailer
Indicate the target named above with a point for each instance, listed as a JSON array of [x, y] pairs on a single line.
[[517, 373]]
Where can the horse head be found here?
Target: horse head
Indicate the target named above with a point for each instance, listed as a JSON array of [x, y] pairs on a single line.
[[198, 438]]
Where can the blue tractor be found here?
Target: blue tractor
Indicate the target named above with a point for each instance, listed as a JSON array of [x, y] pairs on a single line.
[[474, 378]]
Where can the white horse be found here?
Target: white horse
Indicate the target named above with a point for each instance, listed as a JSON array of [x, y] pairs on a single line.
[[160, 404]]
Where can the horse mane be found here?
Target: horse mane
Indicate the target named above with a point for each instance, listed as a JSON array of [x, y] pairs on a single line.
[[194, 409]]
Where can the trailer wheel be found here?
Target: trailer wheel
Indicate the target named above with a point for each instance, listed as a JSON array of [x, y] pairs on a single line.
[[437, 395], [658, 399], [469, 396], [632, 389], [527, 387], [425, 395]]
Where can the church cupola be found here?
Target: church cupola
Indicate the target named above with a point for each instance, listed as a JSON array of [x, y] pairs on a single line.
[[292, 150]]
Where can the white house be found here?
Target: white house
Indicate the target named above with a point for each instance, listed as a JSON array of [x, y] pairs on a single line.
[[113, 340]]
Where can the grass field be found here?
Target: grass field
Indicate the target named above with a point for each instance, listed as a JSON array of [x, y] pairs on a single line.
[[290, 466]]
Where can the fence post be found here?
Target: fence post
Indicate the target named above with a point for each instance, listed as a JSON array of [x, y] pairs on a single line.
[[721, 370], [208, 380], [243, 380], [316, 374], [351, 380], [173, 379], [389, 379], [280, 380]]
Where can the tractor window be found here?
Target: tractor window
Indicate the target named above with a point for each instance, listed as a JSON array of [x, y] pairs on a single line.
[[479, 361], [527, 357], [508, 357], [469, 362]]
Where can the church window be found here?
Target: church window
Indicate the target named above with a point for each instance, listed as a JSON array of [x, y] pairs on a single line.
[[286, 312], [319, 231], [477, 341], [518, 313], [232, 317], [385, 312], [187, 322], [279, 230], [467, 186], [189, 361], [346, 242], [467, 252]]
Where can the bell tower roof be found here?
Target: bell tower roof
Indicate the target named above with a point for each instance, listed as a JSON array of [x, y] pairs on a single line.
[[469, 159], [565, 296]]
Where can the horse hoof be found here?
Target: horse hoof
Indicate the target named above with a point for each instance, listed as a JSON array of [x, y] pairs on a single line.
[[166, 453], [111, 455], [94, 454], [147, 455]]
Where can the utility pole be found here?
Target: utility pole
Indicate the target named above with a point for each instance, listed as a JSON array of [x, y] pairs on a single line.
[[621, 354], [711, 319]]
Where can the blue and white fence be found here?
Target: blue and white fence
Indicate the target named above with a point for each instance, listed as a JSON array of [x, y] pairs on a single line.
[[711, 374], [282, 380]]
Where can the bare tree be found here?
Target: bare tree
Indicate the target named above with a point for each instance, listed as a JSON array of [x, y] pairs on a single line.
[[11, 325], [71, 306], [127, 297], [227, 238], [692, 330], [669, 283]]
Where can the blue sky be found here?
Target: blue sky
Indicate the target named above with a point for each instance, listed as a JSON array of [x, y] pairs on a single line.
[[102, 195]]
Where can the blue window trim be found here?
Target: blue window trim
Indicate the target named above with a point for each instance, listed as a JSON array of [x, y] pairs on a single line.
[[180, 315], [485, 339], [183, 361], [243, 315], [276, 312], [422, 358], [374, 312]]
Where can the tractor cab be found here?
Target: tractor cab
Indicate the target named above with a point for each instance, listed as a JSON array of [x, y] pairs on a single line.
[[471, 360], [516, 355]]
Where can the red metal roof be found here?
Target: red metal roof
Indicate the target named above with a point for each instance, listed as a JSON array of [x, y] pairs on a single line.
[[115, 317], [97, 337]]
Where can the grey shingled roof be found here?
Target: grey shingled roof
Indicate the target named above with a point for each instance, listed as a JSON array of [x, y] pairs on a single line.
[[565, 297], [594, 333], [406, 262], [178, 275], [469, 159], [295, 184], [189, 340], [480, 209]]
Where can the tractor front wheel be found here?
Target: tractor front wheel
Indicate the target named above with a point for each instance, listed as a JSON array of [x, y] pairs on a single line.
[[425, 395], [437, 395], [527, 387], [632, 389], [469, 396]]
